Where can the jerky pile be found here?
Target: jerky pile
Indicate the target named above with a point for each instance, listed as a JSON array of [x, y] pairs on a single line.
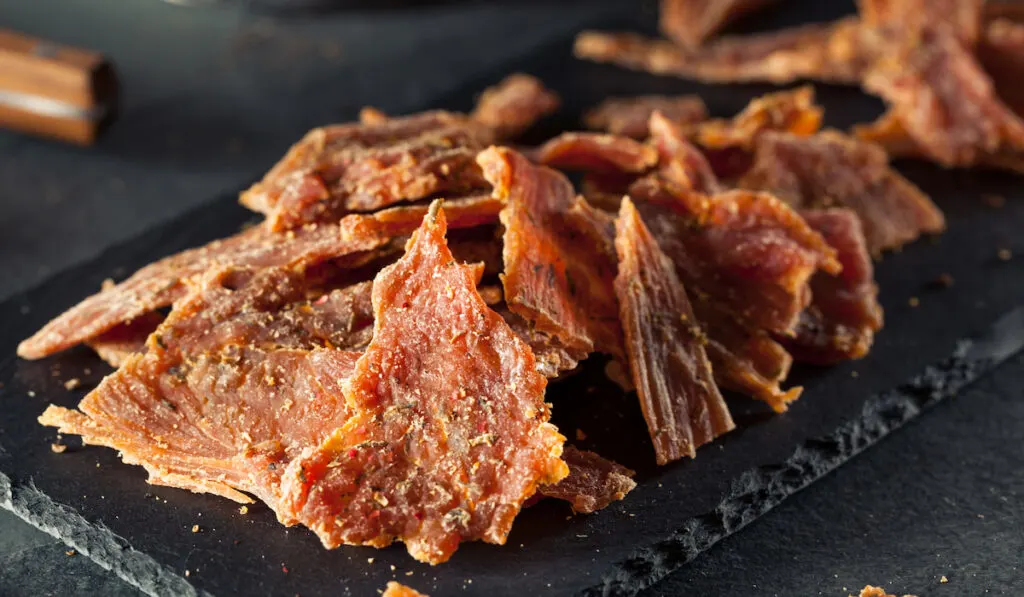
[[372, 360], [949, 70]]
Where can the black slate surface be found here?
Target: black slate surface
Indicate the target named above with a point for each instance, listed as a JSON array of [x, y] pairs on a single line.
[[692, 489]]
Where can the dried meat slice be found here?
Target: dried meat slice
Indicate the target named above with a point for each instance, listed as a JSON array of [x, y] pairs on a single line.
[[792, 111], [1010, 10], [395, 589], [841, 322], [748, 250], [944, 102], [745, 360], [670, 369], [558, 254], [354, 241], [628, 116], [450, 433], [596, 152], [835, 52], [962, 17], [161, 283], [242, 376], [691, 22], [830, 169], [1001, 53], [680, 163], [120, 342], [593, 484], [364, 167], [514, 105]]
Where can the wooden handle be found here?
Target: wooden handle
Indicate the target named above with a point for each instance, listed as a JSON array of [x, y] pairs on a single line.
[[55, 91]]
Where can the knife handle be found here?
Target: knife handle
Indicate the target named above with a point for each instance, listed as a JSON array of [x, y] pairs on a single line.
[[55, 91]]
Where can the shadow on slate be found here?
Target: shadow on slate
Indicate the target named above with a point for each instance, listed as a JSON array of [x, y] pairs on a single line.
[[105, 510]]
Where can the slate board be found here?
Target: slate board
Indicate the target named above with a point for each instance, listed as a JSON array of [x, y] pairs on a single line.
[[105, 510]]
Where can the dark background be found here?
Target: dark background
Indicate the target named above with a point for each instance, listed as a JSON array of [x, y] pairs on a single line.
[[213, 95]]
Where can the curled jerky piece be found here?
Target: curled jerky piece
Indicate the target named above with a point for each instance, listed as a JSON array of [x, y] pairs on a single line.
[[364, 167], [240, 378], [746, 260], [680, 163], [943, 101], [595, 151], [593, 482], [690, 22], [514, 105], [792, 111], [352, 242], [836, 52], [126, 339], [680, 401], [749, 250], [450, 432], [559, 259], [628, 116], [395, 589], [842, 319], [161, 283], [744, 359], [1001, 53], [831, 169], [906, 17]]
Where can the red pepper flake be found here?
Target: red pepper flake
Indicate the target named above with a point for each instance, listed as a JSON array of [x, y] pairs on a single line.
[[284, 568]]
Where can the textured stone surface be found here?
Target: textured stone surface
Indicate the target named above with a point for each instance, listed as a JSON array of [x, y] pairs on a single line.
[[835, 534]]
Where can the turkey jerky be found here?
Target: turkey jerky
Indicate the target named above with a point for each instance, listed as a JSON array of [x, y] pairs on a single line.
[[514, 105], [1001, 53], [835, 52], [596, 152], [943, 102], [593, 483], [364, 167], [395, 589], [841, 321], [670, 369], [830, 169], [449, 434], [628, 116], [559, 260], [241, 377], [690, 22], [351, 243], [749, 250]]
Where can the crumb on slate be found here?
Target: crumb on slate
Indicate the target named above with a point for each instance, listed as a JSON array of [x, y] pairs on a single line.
[[914, 301], [72, 383], [58, 448], [195, 528], [72, 552], [1005, 254], [943, 580], [243, 510], [580, 435]]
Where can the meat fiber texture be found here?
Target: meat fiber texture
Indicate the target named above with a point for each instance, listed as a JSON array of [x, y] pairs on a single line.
[[435, 434]]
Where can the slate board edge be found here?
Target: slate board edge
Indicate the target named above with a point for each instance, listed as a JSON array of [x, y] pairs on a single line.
[[760, 489], [96, 542]]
